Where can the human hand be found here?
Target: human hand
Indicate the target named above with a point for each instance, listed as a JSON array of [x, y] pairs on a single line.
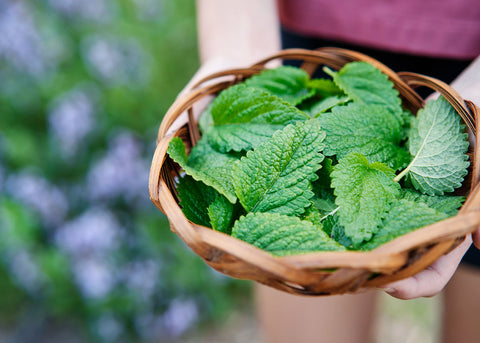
[[434, 278]]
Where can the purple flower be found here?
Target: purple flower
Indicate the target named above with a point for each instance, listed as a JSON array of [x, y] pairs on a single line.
[[116, 60], [24, 269], [122, 171], [95, 277], [95, 232], [180, 316], [40, 195], [71, 118], [100, 11], [141, 278], [90, 240], [25, 46]]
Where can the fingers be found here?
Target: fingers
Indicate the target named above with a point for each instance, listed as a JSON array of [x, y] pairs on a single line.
[[432, 280]]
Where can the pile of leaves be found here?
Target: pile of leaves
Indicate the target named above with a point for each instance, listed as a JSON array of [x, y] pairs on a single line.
[[293, 164]]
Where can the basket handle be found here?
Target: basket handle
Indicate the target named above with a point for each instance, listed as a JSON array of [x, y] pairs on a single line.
[[450, 94], [312, 56], [336, 58], [413, 100], [475, 110], [159, 187], [156, 170], [232, 75]]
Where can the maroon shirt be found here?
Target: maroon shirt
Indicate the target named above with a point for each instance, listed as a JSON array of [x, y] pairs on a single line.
[[437, 28]]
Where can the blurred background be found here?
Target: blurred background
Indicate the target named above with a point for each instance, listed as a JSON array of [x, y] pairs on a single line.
[[84, 254], [83, 251]]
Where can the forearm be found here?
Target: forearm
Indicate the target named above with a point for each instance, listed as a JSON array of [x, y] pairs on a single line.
[[236, 33]]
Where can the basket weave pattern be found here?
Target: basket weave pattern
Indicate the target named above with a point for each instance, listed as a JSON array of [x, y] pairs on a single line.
[[319, 273]]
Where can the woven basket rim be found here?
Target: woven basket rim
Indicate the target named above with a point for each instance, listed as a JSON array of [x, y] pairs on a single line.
[[292, 273]]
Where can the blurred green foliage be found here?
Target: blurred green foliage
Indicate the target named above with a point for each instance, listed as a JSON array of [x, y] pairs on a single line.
[[83, 88]]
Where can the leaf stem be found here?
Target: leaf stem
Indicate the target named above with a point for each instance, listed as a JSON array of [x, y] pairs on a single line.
[[402, 173], [419, 151], [331, 213], [328, 71]]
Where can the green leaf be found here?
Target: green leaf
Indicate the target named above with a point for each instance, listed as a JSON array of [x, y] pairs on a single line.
[[328, 225], [438, 147], [203, 156], [332, 226], [240, 137], [244, 117], [277, 176], [364, 192], [288, 83], [404, 216], [325, 88], [326, 104], [212, 168], [448, 204], [407, 118], [313, 215], [282, 235], [366, 84], [367, 129], [203, 205], [195, 197], [323, 198], [324, 181], [221, 214], [205, 120], [325, 205]]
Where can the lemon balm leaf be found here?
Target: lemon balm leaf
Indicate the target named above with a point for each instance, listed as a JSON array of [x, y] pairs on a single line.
[[288, 83], [404, 216], [325, 88], [282, 235], [367, 129], [326, 105], [364, 193], [205, 120], [277, 176], [195, 197], [203, 205], [213, 169], [366, 84], [241, 137], [221, 214], [438, 147], [332, 225], [244, 117], [448, 204]]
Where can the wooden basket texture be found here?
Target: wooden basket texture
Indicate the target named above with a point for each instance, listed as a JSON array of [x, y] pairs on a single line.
[[320, 273]]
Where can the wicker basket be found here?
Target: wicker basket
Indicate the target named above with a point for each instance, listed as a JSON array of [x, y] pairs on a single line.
[[319, 273]]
